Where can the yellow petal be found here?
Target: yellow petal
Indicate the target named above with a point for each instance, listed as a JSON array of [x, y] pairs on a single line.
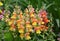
[[42, 22], [21, 31], [34, 23], [10, 22], [32, 15], [18, 24], [12, 29], [13, 17], [28, 25]]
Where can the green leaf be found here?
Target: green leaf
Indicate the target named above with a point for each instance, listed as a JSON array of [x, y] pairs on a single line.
[[18, 38], [8, 36]]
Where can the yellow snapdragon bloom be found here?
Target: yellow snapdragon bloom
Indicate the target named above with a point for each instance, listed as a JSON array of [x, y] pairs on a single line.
[[42, 22], [28, 37], [12, 29], [31, 15], [29, 30], [21, 31], [38, 31], [21, 35], [10, 22], [34, 23], [28, 26], [18, 24], [13, 17], [0, 11], [1, 3]]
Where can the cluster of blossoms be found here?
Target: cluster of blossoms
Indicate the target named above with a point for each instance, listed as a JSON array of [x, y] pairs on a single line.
[[1, 11], [28, 22]]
